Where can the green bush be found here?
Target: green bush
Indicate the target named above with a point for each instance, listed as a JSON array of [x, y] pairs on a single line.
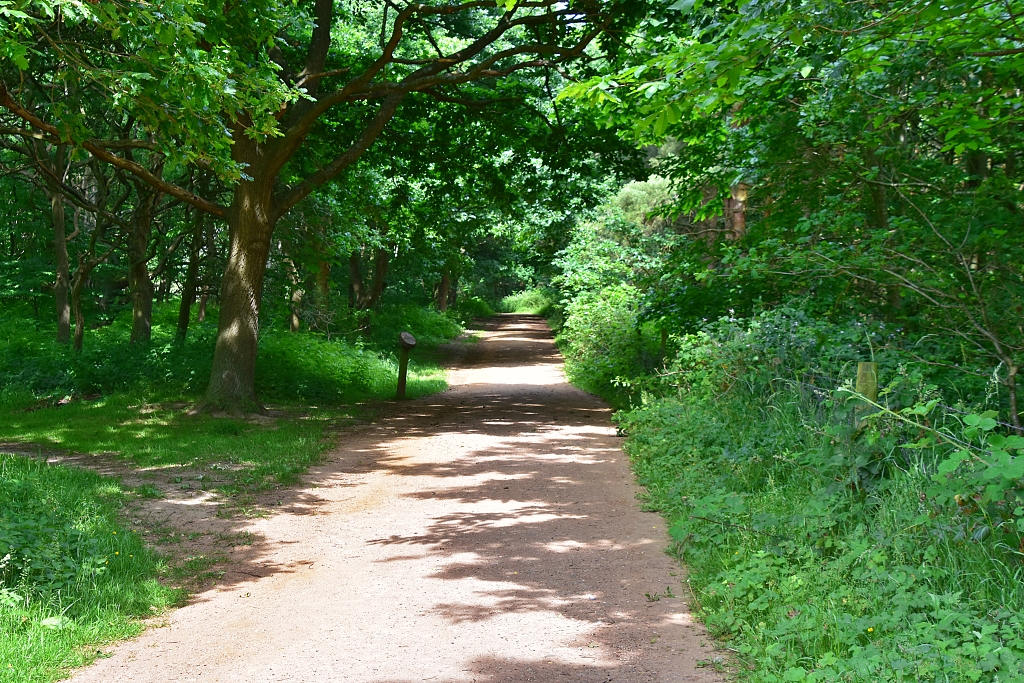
[[290, 366], [820, 549], [70, 575], [606, 348], [537, 301], [471, 307], [430, 328]]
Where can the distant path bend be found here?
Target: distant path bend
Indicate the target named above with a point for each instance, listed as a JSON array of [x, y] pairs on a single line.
[[489, 534]]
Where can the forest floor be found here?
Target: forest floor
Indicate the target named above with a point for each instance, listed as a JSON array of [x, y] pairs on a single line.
[[489, 533]]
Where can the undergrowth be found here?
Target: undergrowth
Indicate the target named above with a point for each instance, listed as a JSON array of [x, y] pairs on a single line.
[[824, 541], [537, 301], [71, 577], [304, 366]]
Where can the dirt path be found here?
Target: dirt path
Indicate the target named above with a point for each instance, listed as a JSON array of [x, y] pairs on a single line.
[[490, 533]]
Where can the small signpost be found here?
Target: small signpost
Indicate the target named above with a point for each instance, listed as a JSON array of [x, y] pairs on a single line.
[[406, 341]]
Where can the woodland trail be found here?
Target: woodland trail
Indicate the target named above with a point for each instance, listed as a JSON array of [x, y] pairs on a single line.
[[489, 533]]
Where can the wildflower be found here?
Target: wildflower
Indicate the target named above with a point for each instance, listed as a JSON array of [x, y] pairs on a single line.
[[871, 629]]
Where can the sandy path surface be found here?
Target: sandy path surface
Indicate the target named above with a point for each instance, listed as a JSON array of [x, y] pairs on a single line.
[[490, 533]]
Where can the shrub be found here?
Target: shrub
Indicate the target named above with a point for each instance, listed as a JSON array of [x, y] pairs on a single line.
[[537, 301]]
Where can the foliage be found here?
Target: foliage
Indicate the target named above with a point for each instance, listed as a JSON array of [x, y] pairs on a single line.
[[823, 550], [826, 538], [291, 367], [863, 155], [70, 575], [536, 301]]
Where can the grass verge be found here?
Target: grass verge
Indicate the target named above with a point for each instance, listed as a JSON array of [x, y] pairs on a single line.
[[71, 577], [807, 575]]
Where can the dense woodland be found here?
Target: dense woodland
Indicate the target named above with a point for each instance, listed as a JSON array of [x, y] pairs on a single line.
[[725, 209]]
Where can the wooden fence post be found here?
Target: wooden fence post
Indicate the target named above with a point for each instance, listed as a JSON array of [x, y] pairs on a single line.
[[867, 386], [406, 342]]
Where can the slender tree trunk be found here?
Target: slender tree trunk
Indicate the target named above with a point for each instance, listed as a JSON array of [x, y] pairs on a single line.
[[737, 210], [295, 303], [879, 197], [1011, 387], [60, 250], [232, 380], [201, 313], [442, 291], [139, 282], [362, 297], [355, 281], [323, 281], [380, 272], [85, 267], [191, 285]]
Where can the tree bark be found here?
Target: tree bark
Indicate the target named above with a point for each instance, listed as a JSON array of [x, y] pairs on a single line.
[[251, 225], [139, 283], [442, 291], [191, 285], [736, 205], [1011, 386], [362, 297], [323, 281], [879, 197], [201, 313], [86, 264], [60, 250], [295, 300]]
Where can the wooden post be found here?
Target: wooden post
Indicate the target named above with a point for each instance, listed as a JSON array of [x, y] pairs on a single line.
[[867, 386], [406, 342]]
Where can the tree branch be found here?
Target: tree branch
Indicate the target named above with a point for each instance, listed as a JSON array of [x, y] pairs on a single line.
[[96, 148]]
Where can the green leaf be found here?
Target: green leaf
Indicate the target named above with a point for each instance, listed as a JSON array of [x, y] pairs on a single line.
[[685, 6], [950, 464]]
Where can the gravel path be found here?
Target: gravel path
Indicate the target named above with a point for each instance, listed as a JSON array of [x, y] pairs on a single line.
[[489, 533]]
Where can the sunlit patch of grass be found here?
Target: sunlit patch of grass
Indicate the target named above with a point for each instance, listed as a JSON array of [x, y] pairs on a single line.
[[536, 301], [168, 436]]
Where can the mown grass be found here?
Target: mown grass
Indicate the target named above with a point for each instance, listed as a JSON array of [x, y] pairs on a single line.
[[71, 577], [249, 455]]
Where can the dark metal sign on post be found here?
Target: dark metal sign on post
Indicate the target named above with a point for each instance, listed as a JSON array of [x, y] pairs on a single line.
[[406, 341]]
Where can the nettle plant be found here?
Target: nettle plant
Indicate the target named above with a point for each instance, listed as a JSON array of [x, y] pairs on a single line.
[[975, 470]]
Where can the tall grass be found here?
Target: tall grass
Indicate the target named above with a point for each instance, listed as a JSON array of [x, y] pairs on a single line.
[[305, 367]]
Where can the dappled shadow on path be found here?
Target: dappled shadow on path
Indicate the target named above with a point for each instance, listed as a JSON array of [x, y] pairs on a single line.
[[489, 533]]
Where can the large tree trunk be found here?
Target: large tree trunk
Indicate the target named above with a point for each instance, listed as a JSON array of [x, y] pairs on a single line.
[[139, 283], [60, 251], [191, 285], [250, 223]]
